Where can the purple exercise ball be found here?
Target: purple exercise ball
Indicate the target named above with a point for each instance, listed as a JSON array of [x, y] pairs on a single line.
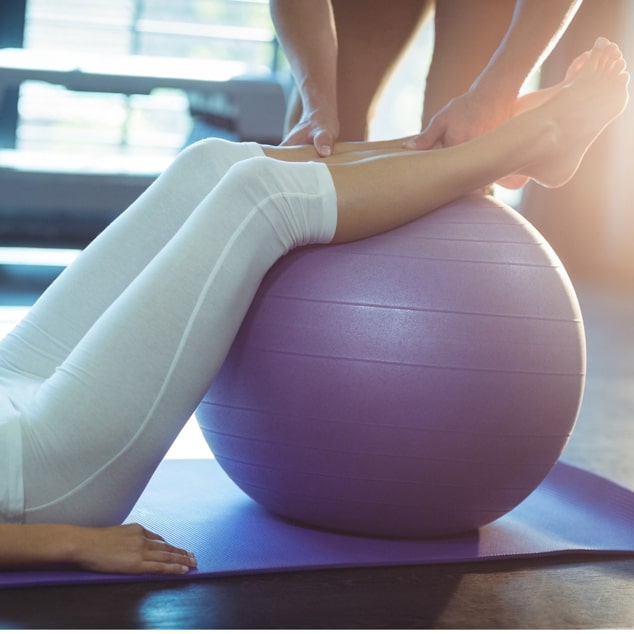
[[414, 384]]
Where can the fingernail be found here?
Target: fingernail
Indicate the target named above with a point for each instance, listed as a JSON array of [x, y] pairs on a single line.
[[324, 150]]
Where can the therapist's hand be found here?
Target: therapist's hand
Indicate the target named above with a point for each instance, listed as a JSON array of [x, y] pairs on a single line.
[[319, 129], [462, 119]]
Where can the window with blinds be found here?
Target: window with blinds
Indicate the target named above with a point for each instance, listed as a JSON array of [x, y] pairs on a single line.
[[54, 119]]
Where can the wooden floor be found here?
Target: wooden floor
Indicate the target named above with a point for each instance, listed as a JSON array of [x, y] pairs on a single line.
[[579, 592]]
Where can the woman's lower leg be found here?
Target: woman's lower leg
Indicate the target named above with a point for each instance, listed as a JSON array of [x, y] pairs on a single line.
[[379, 194]]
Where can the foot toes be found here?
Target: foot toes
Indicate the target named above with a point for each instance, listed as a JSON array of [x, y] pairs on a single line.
[[577, 64], [618, 66], [598, 53], [613, 53], [605, 55], [601, 42]]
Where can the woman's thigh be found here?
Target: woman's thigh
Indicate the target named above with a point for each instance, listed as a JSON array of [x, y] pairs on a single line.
[[81, 294]]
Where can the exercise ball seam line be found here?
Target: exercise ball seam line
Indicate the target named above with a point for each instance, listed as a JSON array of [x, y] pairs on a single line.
[[422, 485], [335, 421], [392, 505], [348, 478], [442, 219], [338, 302], [466, 220], [416, 365], [429, 258], [435, 238], [375, 455], [501, 342], [505, 509]]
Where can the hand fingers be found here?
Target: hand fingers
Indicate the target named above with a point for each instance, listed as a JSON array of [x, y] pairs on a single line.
[[168, 559], [297, 138], [153, 536], [160, 548], [429, 138], [161, 552], [323, 142], [320, 135], [165, 566], [421, 142]]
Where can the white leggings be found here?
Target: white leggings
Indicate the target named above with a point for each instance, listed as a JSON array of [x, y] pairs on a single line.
[[116, 355]]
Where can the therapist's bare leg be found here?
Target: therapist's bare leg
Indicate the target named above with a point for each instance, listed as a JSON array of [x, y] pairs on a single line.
[[372, 36], [466, 34]]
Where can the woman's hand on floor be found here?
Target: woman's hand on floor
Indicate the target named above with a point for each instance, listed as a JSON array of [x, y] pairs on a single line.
[[129, 549]]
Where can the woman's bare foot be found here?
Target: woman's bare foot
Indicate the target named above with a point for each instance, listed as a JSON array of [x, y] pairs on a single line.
[[535, 99], [580, 110]]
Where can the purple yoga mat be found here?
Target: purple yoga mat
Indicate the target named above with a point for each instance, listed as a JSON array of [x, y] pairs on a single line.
[[193, 504]]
